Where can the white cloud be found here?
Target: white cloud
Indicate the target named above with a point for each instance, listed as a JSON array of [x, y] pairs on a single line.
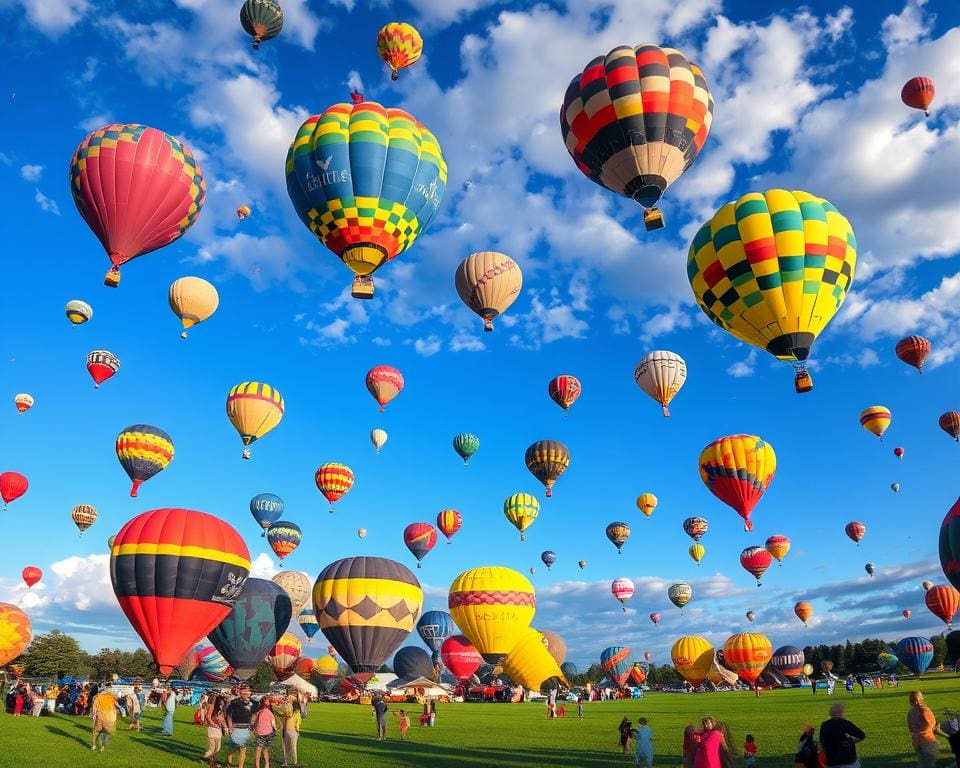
[[46, 204], [464, 342], [836, 25], [92, 123], [354, 81], [744, 368], [54, 17], [31, 172], [263, 567], [262, 260], [429, 346], [907, 27]]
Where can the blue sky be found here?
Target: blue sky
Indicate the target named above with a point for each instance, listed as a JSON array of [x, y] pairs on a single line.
[[805, 98]]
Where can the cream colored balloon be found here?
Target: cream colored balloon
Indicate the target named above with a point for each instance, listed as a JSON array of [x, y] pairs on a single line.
[[661, 374], [193, 300], [488, 283], [297, 586], [378, 437]]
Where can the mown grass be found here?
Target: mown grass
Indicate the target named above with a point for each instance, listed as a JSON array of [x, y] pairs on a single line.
[[507, 735]]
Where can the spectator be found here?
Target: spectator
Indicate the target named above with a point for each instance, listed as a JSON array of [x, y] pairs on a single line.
[[264, 729], [690, 744], [749, 751], [922, 725], [626, 733], [951, 729], [644, 743], [238, 714], [103, 709], [807, 750], [133, 710], [214, 719], [169, 705], [709, 745], [404, 724], [838, 738], [380, 713], [290, 719]]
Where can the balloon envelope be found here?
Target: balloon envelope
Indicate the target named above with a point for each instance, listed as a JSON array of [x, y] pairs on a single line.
[[460, 656], [915, 653], [434, 628], [492, 606], [615, 662], [15, 632], [692, 657], [747, 653], [412, 662]]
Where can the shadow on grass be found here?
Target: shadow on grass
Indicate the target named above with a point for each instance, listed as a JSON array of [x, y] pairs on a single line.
[[85, 741]]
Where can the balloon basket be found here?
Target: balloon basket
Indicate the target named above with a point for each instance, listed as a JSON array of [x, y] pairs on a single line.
[[112, 278], [245, 454], [362, 287], [652, 219]]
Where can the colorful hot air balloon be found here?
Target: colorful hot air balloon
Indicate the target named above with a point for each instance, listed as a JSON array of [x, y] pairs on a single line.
[[696, 551], [622, 588], [949, 545], [102, 365], [284, 655], [367, 181], [679, 594], [870, 568], [23, 402], [772, 269], [258, 618], [918, 92], [756, 560], [449, 522], [942, 601], [788, 660], [362, 533], [898, 452], [12, 486], [950, 423], [399, 44], [262, 20], [556, 647], [618, 533], [569, 669], [284, 537], [855, 530], [521, 509], [692, 656], [379, 438], [434, 628], [661, 374], [254, 408], [582, 564], [193, 300], [750, 616], [615, 662], [907, 613], [466, 444], [888, 662], [243, 211], [137, 188], [31, 575], [83, 516], [325, 667], [460, 657], [547, 460], [297, 586], [927, 584], [655, 618], [637, 674], [488, 282], [78, 312], [915, 653], [366, 607], [333, 480], [803, 611], [384, 383], [695, 527], [738, 470], [15, 632], [303, 667], [419, 538], [211, 665], [548, 558], [646, 503], [266, 509], [876, 419], [747, 653], [564, 390], [492, 606], [411, 662], [309, 625], [913, 350], [175, 599], [647, 655], [634, 120], [778, 546], [530, 663], [143, 451]]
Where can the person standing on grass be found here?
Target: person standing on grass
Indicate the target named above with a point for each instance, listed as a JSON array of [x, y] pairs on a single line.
[[104, 713], [690, 744], [214, 720], [380, 713], [169, 704], [710, 745], [643, 737], [848, 684], [838, 738], [749, 751], [580, 707], [625, 730], [922, 725], [289, 714], [132, 704], [264, 729], [238, 714], [404, 724]]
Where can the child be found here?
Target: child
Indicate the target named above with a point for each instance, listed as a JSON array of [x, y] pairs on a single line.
[[404, 724], [264, 728], [626, 733], [689, 746], [749, 751], [580, 707], [562, 710], [644, 740]]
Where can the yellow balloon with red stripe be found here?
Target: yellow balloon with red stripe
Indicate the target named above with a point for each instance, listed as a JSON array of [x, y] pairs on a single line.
[[493, 606], [529, 663], [15, 632], [747, 653], [399, 45], [778, 546], [692, 655], [254, 408], [333, 481], [646, 503], [284, 655], [876, 419]]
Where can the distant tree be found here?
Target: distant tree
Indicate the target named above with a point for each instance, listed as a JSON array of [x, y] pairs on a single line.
[[54, 653], [263, 678], [939, 651], [110, 661]]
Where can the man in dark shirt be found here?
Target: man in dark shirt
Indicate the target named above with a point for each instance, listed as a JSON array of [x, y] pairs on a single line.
[[380, 710], [838, 738], [239, 713]]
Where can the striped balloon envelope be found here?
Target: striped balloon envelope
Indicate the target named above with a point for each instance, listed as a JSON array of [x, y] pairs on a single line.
[[876, 419], [449, 521], [521, 509], [333, 480], [309, 625], [547, 460], [399, 44], [284, 655], [913, 350], [143, 451], [747, 653], [102, 365], [738, 469], [284, 537], [615, 662], [384, 382], [789, 660], [254, 408], [419, 538], [916, 653], [212, 665], [564, 390]]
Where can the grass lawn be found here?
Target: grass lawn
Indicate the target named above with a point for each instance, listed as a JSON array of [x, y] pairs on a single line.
[[503, 735]]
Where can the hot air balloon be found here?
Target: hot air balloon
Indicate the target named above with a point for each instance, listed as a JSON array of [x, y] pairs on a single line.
[[174, 600], [635, 120], [366, 607], [556, 647], [193, 300], [855, 530], [949, 544], [808, 669], [362, 533], [78, 312], [655, 618], [622, 588], [582, 564], [870, 568], [943, 601], [646, 503], [12, 486], [738, 470], [488, 282], [564, 390], [895, 487], [803, 611], [661, 374], [83, 516], [755, 560], [679, 594], [907, 613], [211, 665], [297, 587], [31, 575], [325, 667], [950, 423], [918, 92], [449, 522], [410, 662], [692, 656], [913, 350], [259, 617], [898, 452], [333, 480], [548, 558], [492, 606], [530, 663], [262, 20], [521, 509], [379, 438], [788, 660], [615, 662], [637, 674], [876, 419], [927, 584], [772, 269], [266, 509], [460, 657], [284, 537], [110, 541], [283, 656], [384, 383], [915, 653], [399, 45], [303, 667], [137, 188], [419, 538], [243, 211], [778, 546], [15, 632], [434, 628], [309, 625], [888, 662], [23, 402], [143, 451], [367, 181], [647, 655], [102, 365], [751, 616], [696, 551], [618, 533], [254, 408], [466, 444], [802, 380], [547, 460], [189, 663], [695, 527], [747, 653], [569, 669]]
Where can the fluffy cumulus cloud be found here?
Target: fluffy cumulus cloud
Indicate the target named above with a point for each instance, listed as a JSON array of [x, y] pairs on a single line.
[[743, 368], [31, 172], [54, 17]]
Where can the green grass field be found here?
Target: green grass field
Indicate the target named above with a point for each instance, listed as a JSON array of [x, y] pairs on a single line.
[[503, 735]]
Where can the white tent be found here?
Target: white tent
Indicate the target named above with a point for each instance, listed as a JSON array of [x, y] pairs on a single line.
[[380, 682], [427, 686], [295, 681]]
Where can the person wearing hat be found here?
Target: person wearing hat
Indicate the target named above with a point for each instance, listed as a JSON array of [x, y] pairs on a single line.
[[104, 712], [239, 714]]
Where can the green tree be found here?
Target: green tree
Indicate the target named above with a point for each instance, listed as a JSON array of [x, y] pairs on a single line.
[[263, 678], [939, 651], [110, 661], [52, 654]]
